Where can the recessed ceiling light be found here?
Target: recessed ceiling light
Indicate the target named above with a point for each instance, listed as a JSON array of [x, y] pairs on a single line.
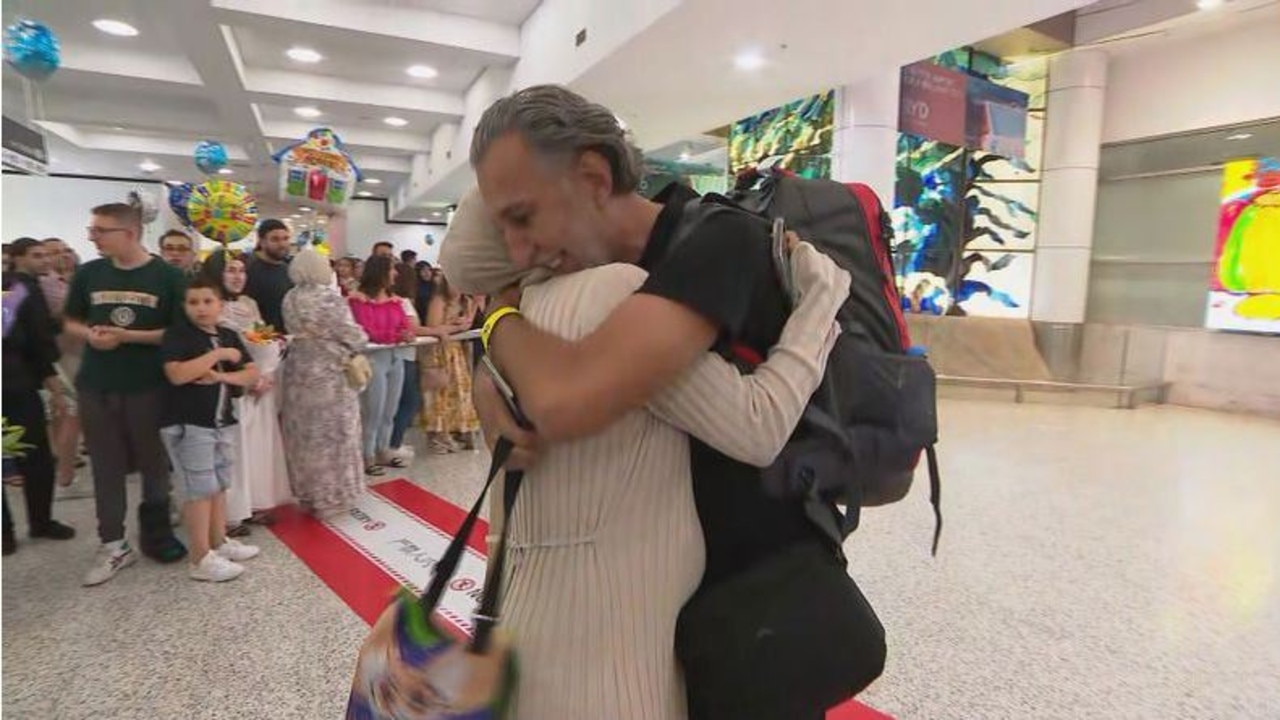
[[1209, 4], [373, 181], [115, 27], [225, 171], [304, 209], [749, 60], [426, 72], [687, 154], [118, 127], [1240, 136], [437, 214], [364, 193], [394, 121], [307, 111], [305, 55], [148, 166]]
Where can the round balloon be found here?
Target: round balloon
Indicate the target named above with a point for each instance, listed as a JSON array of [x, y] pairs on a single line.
[[222, 211], [32, 49], [179, 194], [210, 156]]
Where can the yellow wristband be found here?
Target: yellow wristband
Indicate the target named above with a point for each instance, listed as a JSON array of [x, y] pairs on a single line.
[[492, 321]]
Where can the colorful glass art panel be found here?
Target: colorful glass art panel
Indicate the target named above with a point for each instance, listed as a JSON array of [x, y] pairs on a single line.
[[798, 133], [1245, 290]]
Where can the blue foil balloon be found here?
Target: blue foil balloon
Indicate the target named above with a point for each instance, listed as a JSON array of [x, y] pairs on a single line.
[[179, 194], [32, 49], [210, 156]]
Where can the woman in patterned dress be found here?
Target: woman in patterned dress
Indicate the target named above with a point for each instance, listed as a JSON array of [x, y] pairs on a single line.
[[448, 417], [320, 411]]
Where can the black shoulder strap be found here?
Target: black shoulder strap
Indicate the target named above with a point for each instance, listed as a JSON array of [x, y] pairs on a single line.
[[486, 615]]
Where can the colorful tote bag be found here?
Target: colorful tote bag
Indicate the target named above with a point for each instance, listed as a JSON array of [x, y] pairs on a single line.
[[411, 669]]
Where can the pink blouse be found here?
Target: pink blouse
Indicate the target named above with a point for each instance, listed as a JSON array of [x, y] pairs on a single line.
[[385, 322]]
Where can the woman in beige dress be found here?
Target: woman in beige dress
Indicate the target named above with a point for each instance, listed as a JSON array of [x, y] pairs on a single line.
[[606, 546]]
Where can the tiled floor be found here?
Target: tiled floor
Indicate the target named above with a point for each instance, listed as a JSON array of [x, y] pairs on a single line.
[[1095, 563]]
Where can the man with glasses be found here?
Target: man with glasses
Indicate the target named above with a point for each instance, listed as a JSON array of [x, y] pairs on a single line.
[[178, 250], [120, 305]]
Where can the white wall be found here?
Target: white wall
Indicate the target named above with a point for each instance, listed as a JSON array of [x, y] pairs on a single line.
[[42, 207], [365, 225], [1199, 82]]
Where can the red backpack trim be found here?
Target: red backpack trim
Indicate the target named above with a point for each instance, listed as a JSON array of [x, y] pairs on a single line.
[[872, 211]]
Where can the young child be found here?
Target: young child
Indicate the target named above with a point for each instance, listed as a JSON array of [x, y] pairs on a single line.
[[206, 366]]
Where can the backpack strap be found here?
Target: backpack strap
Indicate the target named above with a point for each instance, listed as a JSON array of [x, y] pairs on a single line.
[[935, 494]]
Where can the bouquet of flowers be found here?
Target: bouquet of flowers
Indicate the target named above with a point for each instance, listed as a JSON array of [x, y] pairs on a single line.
[[264, 344]]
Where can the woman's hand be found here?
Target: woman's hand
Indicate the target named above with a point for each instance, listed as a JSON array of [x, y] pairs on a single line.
[[812, 271]]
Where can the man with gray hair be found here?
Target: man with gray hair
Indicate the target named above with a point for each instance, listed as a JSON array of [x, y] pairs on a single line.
[[560, 178]]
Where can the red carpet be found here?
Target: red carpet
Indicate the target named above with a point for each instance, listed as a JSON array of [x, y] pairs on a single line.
[[393, 538]]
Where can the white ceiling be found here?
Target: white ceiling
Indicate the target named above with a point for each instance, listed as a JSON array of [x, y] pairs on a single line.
[[217, 69]]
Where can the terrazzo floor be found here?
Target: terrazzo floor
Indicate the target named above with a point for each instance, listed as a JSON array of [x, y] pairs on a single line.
[[1095, 563]]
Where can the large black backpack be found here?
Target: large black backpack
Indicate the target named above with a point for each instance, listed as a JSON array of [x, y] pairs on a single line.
[[875, 412]]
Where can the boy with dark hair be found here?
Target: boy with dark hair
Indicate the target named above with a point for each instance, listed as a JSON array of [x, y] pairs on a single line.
[[120, 305], [206, 366]]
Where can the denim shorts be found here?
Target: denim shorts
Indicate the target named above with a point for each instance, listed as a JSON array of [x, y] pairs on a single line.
[[203, 458]]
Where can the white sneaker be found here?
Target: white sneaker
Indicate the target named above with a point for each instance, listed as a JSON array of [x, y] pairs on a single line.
[[215, 568], [237, 551], [111, 559]]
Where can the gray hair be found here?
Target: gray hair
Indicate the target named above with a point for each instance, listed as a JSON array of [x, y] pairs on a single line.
[[310, 268], [561, 123]]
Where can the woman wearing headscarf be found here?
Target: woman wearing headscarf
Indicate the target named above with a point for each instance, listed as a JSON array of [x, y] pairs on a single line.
[[320, 410], [261, 478], [605, 542]]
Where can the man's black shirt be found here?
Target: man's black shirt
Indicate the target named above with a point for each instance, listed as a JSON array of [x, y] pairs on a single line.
[[267, 284], [724, 271]]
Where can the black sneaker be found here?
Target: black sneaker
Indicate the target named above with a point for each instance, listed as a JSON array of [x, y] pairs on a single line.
[[53, 530], [10, 544]]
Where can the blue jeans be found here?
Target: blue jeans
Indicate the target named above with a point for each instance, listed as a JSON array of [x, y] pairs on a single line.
[[203, 458], [380, 401], [410, 402]]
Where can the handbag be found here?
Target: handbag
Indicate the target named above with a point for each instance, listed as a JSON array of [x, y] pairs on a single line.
[[358, 371], [788, 638], [411, 669]]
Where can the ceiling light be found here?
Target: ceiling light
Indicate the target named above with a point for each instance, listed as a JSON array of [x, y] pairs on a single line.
[[1240, 136], [304, 55], [148, 166], [118, 127], [304, 209], [364, 193], [373, 181], [307, 111], [749, 60], [1209, 4], [395, 121], [115, 27], [687, 154], [437, 214], [225, 171], [426, 72]]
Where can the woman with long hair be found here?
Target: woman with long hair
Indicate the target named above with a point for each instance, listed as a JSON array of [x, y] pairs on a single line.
[[449, 417], [381, 314], [261, 478], [64, 427], [320, 410]]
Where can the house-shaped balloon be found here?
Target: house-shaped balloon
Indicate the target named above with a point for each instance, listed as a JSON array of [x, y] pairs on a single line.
[[317, 171]]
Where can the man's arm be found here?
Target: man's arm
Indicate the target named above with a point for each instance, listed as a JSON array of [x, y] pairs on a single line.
[[141, 337], [573, 389]]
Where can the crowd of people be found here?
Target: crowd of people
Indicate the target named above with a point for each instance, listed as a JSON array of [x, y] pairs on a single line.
[[232, 384]]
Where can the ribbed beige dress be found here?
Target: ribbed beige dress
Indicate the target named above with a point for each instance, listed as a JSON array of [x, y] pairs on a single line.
[[605, 542]]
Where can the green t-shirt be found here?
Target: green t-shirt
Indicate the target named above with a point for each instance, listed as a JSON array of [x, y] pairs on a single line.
[[148, 297]]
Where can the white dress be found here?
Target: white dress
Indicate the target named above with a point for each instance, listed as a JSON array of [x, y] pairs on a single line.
[[261, 479]]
